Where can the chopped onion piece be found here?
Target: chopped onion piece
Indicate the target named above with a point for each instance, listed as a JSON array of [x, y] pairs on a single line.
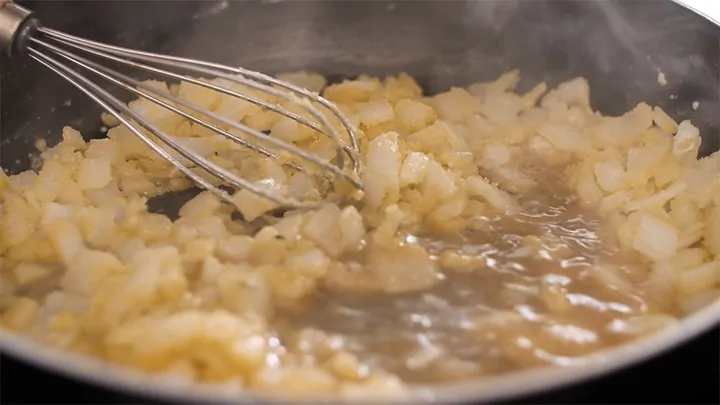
[[655, 238]]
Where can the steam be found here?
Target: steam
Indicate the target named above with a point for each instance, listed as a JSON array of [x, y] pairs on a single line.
[[621, 47], [214, 8], [494, 14]]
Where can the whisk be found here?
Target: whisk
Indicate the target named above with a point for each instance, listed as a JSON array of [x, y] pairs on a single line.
[[21, 34]]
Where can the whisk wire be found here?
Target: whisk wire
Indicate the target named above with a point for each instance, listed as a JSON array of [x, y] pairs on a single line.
[[114, 76], [249, 78], [256, 101], [133, 120], [108, 74], [104, 99]]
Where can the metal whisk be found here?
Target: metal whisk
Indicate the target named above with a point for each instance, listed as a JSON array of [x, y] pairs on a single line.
[[22, 34]]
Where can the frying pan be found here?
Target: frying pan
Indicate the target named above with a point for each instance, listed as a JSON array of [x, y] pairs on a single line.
[[620, 47]]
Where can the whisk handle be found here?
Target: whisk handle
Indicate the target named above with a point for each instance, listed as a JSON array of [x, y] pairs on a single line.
[[17, 25]]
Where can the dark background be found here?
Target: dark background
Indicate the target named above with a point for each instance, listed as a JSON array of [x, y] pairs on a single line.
[[688, 375]]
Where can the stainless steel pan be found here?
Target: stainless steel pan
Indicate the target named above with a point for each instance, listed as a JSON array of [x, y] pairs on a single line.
[[619, 46]]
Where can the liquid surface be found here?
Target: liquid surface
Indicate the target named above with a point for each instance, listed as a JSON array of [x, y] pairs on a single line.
[[493, 317]]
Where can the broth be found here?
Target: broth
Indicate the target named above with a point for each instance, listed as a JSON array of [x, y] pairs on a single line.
[[492, 317]]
